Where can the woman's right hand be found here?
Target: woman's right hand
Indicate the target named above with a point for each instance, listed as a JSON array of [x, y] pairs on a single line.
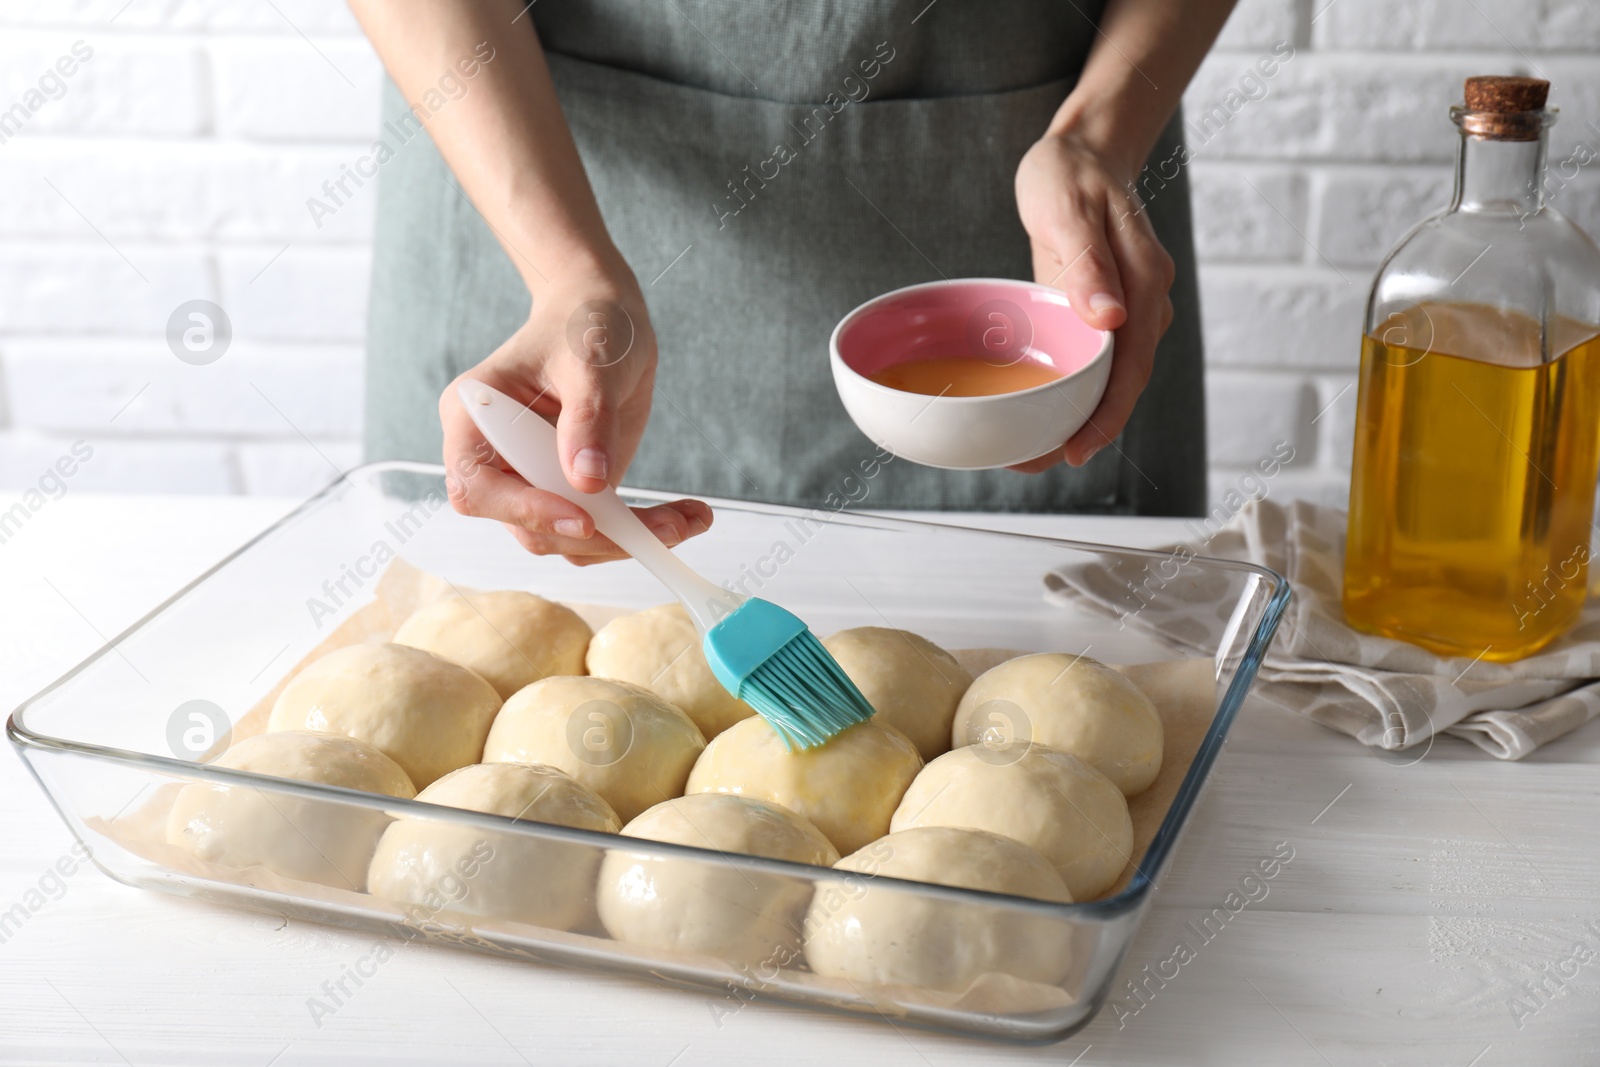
[[586, 360], [586, 357]]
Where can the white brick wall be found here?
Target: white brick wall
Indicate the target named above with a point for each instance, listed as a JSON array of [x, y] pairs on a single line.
[[1350, 146], [177, 163]]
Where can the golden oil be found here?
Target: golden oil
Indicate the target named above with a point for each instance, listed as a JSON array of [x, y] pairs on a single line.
[[1473, 482]]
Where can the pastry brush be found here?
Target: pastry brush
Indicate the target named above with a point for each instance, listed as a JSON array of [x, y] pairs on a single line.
[[761, 653]]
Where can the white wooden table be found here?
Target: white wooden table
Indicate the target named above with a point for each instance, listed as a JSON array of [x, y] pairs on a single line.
[[1423, 901]]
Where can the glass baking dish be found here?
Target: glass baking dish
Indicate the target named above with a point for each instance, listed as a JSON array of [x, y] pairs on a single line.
[[111, 742]]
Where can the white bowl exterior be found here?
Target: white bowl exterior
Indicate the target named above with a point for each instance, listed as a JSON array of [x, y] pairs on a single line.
[[973, 433]]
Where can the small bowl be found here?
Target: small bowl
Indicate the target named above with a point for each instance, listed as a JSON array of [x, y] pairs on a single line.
[[996, 320]]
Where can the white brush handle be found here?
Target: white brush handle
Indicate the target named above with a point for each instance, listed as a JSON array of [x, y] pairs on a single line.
[[528, 443]]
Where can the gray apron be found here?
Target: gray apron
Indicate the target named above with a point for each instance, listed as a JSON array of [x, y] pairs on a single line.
[[764, 169]]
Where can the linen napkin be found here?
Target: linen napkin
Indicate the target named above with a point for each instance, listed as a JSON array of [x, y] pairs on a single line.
[[1385, 693]]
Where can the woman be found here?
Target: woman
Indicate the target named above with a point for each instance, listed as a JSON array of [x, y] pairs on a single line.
[[719, 182]]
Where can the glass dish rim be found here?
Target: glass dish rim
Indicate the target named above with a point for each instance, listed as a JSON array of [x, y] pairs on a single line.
[[1131, 897]]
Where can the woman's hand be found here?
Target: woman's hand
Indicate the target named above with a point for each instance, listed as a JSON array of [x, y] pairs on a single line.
[[586, 358], [1092, 239]]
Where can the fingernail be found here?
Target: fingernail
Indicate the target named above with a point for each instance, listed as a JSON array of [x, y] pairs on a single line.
[[1093, 451], [568, 528], [590, 463], [667, 534], [1103, 302]]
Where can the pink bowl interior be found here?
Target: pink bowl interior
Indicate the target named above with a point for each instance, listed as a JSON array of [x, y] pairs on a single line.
[[997, 321]]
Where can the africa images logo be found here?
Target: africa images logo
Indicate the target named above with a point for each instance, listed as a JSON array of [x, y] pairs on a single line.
[[741, 191]]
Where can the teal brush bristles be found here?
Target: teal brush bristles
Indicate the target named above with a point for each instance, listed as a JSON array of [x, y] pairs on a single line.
[[766, 657], [804, 693]]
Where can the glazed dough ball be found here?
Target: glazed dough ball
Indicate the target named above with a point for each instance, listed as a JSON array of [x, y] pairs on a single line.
[[435, 865], [847, 787], [912, 682], [621, 740], [887, 935], [1064, 809], [1072, 703], [427, 714], [509, 637], [704, 907], [660, 650], [308, 840]]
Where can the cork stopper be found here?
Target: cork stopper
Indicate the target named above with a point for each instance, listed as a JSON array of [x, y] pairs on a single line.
[[1502, 108], [1504, 94]]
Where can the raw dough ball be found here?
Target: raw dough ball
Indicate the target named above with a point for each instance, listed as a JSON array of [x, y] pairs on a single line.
[[1072, 703], [511, 638], [621, 740], [891, 936], [322, 841], [1064, 809], [847, 787], [427, 714], [702, 906], [441, 866], [660, 650], [912, 682]]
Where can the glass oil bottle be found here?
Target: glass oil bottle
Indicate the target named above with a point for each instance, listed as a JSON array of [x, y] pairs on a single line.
[[1477, 436]]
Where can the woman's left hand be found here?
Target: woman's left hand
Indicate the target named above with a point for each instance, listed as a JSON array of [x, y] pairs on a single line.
[[1092, 239]]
